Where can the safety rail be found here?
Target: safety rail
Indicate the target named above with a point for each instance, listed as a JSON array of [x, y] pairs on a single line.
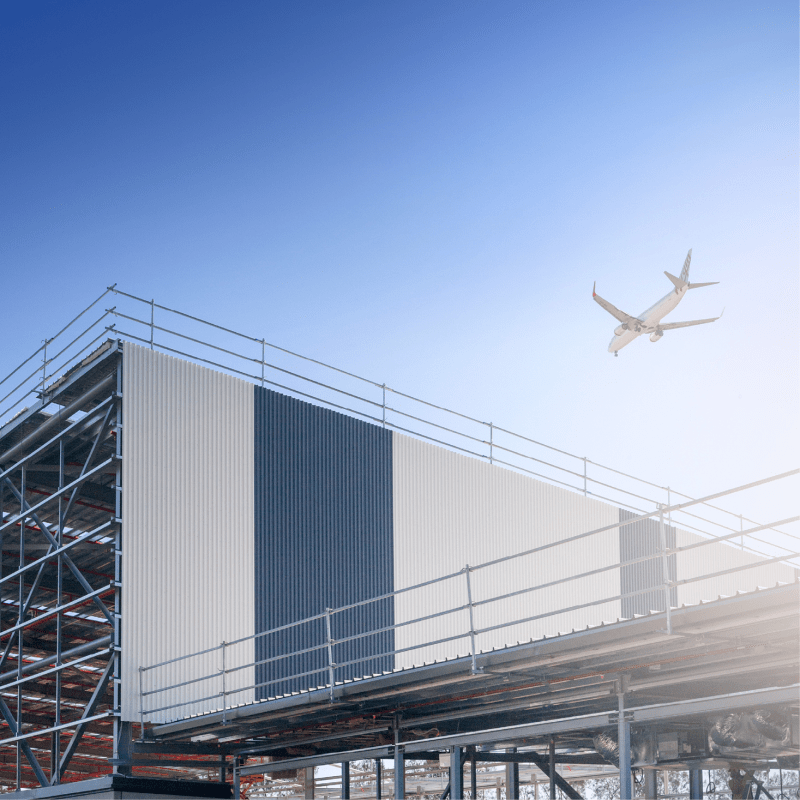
[[216, 692], [177, 333]]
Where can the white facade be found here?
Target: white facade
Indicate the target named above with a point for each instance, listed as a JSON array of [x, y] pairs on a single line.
[[188, 509], [451, 510]]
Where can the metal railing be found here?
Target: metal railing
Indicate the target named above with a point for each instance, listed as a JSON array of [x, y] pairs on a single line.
[[326, 661], [150, 324], [250, 358]]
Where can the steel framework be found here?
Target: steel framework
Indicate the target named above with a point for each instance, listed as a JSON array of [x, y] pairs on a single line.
[[62, 540]]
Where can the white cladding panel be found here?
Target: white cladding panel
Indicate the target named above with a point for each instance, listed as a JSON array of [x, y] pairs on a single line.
[[451, 510], [717, 557], [187, 510]]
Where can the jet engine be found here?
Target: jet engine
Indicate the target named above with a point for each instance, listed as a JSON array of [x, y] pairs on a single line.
[[620, 329], [656, 335]]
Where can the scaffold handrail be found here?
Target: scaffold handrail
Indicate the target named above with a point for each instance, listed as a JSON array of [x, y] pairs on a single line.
[[465, 631], [340, 391]]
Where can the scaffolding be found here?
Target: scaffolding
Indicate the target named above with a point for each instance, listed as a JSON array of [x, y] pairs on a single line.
[[62, 537]]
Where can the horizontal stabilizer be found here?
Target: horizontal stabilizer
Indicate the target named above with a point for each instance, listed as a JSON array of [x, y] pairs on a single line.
[[698, 285], [614, 311], [679, 284]]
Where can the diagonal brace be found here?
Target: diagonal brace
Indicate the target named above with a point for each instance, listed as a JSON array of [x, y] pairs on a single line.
[[26, 748], [67, 560], [94, 700], [95, 445]]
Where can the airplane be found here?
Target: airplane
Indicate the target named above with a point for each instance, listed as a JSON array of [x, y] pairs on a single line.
[[650, 321]]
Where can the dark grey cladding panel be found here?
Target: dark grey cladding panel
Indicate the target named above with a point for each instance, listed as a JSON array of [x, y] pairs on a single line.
[[323, 539], [637, 540]]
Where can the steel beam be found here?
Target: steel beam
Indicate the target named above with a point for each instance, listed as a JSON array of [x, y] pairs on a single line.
[[684, 708], [61, 416]]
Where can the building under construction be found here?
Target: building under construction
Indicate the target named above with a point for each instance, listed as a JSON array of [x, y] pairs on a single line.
[[225, 564]]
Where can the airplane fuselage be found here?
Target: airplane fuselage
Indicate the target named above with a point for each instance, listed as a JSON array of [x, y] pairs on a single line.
[[647, 321]]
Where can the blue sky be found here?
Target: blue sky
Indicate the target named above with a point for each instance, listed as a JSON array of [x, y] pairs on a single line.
[[423, 193]]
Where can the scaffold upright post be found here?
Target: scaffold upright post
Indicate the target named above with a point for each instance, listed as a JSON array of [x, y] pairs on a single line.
[[331, 664], [475, 670], [665, 567]]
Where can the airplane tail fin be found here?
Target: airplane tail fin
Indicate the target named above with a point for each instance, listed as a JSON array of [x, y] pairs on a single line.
[[679, 282], [685, 270]]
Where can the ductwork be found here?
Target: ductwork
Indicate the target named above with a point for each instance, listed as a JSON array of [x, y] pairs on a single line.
[[642, 751], [749, 730]]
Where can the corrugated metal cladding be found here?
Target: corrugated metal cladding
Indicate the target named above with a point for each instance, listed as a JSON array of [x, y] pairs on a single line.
[[637, 540], [323, 539], [451, 510], [332, 511], [188, 528], [715, 558]]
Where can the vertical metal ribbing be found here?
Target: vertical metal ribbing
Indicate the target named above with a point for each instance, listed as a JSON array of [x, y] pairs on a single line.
[[665, 566], [331, 665], [475, 669]]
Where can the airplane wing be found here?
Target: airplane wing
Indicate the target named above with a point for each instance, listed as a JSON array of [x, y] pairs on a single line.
[[613, 310], [668, 326]]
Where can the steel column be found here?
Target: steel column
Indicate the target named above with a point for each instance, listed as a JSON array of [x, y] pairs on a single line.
[[378, 790], [456, 774], [399, 764], [473, 773], [512, 778], [552, 767], [651, 784], [624, 739], [695, 784], [345, 780], [308, 783]]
